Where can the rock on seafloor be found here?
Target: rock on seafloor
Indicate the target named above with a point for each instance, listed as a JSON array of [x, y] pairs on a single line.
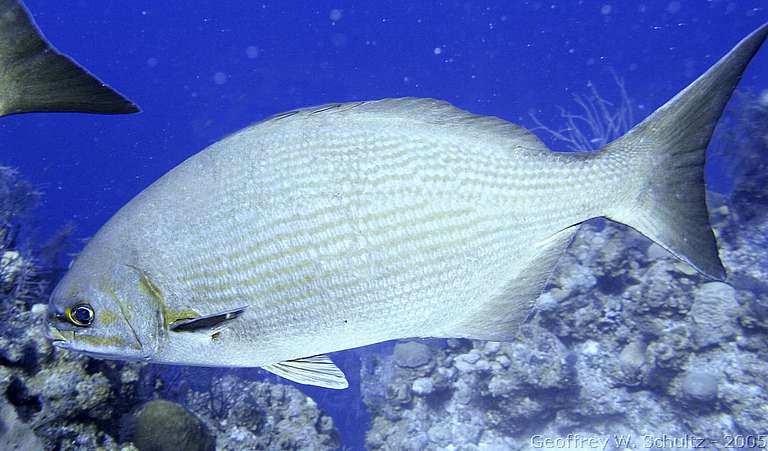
[[262, 415], [714, 314], [161, 425], [412, 354]]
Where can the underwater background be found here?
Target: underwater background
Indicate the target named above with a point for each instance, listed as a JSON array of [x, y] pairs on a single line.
[[626, 342]]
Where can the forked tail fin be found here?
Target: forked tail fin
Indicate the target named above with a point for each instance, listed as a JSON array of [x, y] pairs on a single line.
[[669, 148], [35, 77]]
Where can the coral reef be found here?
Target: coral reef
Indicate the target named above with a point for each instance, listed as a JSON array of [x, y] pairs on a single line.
[[262, 415], [19, 280]]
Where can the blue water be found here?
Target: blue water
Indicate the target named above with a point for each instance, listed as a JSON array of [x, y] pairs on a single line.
[[203, 71], [500, 58]]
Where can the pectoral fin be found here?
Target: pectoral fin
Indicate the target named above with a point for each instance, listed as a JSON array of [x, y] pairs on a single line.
[[209, 323], [318, 370]]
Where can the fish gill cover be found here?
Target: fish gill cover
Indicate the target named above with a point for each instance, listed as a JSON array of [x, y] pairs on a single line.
[[627, 343]]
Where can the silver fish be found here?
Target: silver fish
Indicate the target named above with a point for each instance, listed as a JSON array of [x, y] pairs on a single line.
[[344, 225], [35, 77]]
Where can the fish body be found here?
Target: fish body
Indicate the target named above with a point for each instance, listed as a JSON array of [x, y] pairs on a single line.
[[344, 225], [357, 224], [35, 77]]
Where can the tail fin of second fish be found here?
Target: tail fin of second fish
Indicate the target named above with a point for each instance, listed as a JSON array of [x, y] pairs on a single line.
[[35, 77], [669, 147]]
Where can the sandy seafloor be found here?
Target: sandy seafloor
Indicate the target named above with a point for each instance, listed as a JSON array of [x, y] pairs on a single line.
[[628, 348]]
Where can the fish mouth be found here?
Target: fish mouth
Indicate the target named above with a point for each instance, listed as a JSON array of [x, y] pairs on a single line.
[[59, 338], [64, 339]]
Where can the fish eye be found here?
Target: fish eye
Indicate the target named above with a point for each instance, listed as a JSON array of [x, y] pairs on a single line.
[[81, 315]]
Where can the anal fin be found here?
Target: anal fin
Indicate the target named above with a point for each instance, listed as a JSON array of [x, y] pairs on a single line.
[[318, 370], [498, 318]]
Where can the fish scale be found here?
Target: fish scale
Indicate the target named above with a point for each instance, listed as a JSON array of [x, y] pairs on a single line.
[[343, 165], [470, 167], [407, 174]]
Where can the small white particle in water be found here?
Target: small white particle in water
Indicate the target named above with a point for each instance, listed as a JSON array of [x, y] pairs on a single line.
[[763, 99], [143, 13], [335, 15], [437, 51], [219, 78], [252, 52], [606, 9]]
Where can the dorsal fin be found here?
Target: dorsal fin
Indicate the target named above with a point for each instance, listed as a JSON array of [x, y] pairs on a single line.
[[35, 77], [423, 110]]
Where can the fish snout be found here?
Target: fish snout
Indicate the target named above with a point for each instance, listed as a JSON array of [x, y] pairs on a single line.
[[58, 335], [59, 338]]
